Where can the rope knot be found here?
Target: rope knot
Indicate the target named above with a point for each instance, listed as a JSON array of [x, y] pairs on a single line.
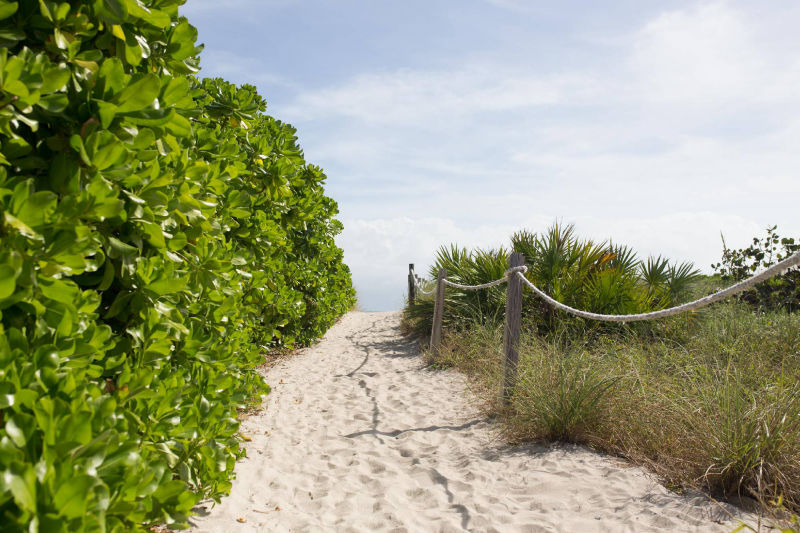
[[513, 270]]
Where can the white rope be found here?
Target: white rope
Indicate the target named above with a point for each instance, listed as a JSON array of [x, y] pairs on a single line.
[[515, 270], [475, 287], [772, 271], [418, 281], [423, 291]]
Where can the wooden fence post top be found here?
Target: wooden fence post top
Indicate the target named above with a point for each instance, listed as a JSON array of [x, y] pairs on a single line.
[[517, 259]]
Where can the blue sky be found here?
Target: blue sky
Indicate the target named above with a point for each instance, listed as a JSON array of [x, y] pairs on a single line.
[[661, 124]]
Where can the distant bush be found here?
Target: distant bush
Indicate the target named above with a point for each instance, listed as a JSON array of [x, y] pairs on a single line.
[[156, 233], [601, 277], [780, 292]]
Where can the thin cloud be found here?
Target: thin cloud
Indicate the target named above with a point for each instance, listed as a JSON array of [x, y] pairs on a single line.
[[406, 96]]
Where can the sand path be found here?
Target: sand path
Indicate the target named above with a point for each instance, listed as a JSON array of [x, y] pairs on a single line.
[[358, 435]]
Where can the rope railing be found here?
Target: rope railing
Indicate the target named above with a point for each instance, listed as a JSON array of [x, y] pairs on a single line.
[[772, 271], [418, 281], [515, 277], [518, 270]]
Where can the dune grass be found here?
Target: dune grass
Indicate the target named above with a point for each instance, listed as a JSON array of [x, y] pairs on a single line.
[[708, 400]]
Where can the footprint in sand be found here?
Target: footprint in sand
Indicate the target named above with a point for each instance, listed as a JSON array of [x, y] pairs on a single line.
[[416, 459]]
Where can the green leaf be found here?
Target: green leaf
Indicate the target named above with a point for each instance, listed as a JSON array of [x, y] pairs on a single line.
[[54, 79], [138, 95], [120, 302], [177, 242], [62, 11], [134, 52], [179, 125], [54, 103], [7, 281], [114, 10], [7, 9], [63, 39], [176, 90], [45, 10], [181, 41], [16, 148], [167, 286], [77, 144], [108, 277], [107, 111], [112, 77], [153, 233], [15, 433], [105, 150], [21, 482], [65, 292], [38, 208], [155, 17], [10, 36], [120, 248], [21, 227], [72, 496]]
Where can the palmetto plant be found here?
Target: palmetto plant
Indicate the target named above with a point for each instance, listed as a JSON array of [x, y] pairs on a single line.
[[485, 306], [601, 277]]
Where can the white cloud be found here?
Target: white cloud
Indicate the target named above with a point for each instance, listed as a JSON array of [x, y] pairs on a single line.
[[239, 68], [424, 98], [704, 54]]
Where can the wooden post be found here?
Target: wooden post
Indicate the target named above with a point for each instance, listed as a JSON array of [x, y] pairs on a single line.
[[412, 286], [438, 310], [513, 324]]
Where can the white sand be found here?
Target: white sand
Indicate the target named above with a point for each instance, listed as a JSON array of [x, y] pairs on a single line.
[[358, 435]]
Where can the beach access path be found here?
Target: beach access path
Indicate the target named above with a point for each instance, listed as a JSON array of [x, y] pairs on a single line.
[[359, 435]]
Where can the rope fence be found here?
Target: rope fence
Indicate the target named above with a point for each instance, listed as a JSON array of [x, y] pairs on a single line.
[[515, 277]]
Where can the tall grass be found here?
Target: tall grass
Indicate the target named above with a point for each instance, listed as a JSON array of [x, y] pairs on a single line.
[[709, 401]]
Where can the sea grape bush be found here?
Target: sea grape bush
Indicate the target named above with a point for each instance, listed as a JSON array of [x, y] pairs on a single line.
[[156, 233], [779, 292]]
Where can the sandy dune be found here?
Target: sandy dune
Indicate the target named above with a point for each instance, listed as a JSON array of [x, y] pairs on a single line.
[[358, 435]]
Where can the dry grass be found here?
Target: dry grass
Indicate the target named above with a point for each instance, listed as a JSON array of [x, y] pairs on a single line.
[[709, 402]]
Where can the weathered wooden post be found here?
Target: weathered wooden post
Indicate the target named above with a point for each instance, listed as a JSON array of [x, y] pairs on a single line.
[[438, 309], [412, 286], [513, 324]]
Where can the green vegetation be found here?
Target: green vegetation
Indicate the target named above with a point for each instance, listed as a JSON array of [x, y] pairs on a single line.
[[780, 292], [156, 234], [599, 277], [708, 399]]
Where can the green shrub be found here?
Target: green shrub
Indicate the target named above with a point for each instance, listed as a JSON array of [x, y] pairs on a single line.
[[155, 233], [601, 277], [779, 292]]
